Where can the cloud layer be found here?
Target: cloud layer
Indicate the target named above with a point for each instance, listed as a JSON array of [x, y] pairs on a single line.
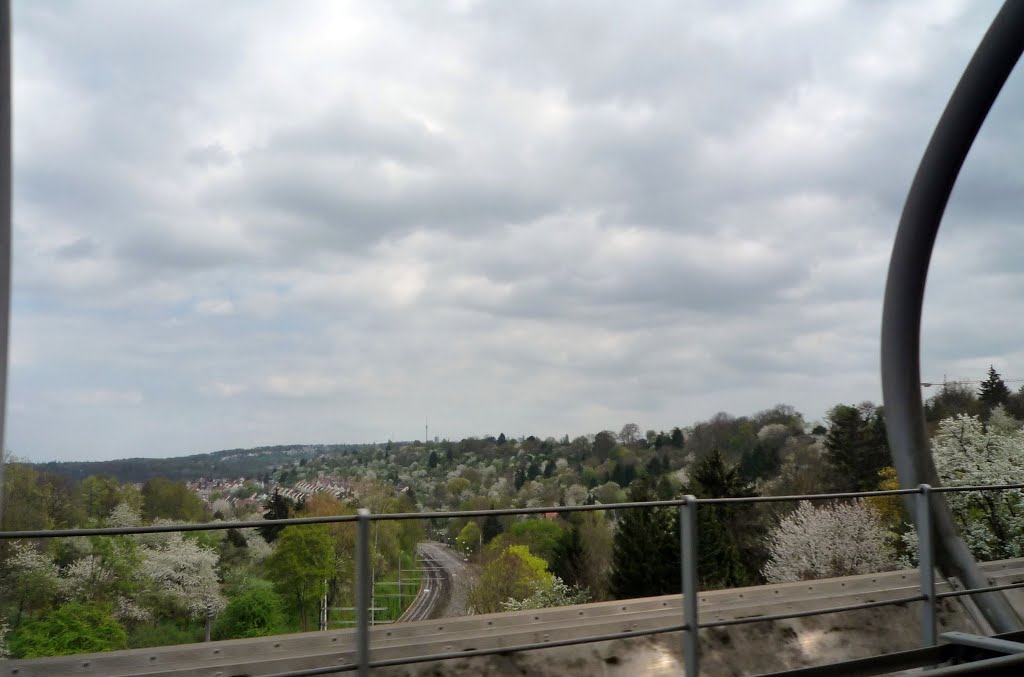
[[250, 223]]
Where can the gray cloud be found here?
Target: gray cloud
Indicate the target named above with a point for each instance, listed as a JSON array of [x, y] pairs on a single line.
[[239, 225]]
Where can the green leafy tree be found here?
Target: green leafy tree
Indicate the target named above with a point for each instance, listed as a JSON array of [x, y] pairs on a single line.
[[514, 574], [469, 538], [70, 629], [604, 443], [98, 495], [953, 399], [993, 390], [343, 536], [171, 500], [255, 611], [677, 439], [24, 498], [541, 536], [302, 560]]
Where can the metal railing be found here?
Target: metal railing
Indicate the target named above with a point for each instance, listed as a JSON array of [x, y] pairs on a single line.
[[688, 536]]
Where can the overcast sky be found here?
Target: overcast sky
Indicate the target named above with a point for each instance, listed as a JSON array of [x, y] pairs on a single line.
[[242, 223]]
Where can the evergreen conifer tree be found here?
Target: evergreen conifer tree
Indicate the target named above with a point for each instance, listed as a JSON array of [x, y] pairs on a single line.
[[856, 447], [645, 551], [719, 560], [993, 390]]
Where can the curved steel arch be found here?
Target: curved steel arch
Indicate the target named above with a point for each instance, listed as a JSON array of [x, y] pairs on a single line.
[[983, 79]]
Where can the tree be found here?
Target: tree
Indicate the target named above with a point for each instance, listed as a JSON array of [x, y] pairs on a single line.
[[26, 499], [469, 538], [629, 434], [568, 558], [720, 560], [645, 550], [604, 442], [856, 446], [548, 596], [1015, 404], [299, 565], [541, 536], [513, 574], [254, 612], [70, 629], [967, 454], [890, 508], [185, 574], [170, 500], [277, 507], [953, 399], [5, 652], [677, 440], [492, 527], [583, 554], [432, 459], [98, 495], [993, 390], [836, 539], [29, 579]]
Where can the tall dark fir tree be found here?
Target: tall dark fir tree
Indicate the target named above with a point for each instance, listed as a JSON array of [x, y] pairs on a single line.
[[993, 390], [721, 560], [645, 550], [856, 446]]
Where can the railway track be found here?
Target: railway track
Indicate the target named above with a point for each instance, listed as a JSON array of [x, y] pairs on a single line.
[[424, 637], [432, 593]]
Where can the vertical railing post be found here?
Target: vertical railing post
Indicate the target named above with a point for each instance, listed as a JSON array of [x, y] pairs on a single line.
[[323, 608], [926, 564], [209, 623], [688, 562], [363, 592]]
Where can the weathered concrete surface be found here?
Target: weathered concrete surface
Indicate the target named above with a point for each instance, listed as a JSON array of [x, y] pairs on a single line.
[[739, 650]]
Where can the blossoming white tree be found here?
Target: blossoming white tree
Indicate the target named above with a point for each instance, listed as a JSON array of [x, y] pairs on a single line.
[[836, 539], [186, 572], [29, 579], [966, 454]]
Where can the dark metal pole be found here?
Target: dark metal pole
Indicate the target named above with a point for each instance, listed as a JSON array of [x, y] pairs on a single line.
[[688, 562], [363, 592], [5, 224], [926, 566], [904, 292]]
